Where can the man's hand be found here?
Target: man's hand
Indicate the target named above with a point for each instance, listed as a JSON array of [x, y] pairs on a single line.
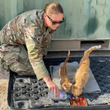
[[52, 86]]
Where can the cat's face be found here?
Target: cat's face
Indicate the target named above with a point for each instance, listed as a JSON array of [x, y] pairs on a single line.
[[66, 86], [76, 91]]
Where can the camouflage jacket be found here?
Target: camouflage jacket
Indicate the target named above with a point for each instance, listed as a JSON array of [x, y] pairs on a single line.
[[27, 29]]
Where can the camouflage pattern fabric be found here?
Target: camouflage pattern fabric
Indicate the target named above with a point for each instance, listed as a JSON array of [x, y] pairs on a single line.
[[24, 41]]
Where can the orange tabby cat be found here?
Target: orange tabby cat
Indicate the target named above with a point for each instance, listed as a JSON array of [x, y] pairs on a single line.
[[82, 74], [64, 82]]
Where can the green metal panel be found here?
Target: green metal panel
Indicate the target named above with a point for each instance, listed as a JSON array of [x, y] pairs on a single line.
[[84, 19]]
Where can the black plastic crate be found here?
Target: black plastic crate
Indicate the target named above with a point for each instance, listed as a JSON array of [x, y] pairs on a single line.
[[25, 92]]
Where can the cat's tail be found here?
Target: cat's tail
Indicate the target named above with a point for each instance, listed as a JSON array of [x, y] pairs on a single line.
[[67, 58], [87, 52]]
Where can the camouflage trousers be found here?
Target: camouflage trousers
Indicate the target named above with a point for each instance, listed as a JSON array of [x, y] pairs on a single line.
[[15, 58]]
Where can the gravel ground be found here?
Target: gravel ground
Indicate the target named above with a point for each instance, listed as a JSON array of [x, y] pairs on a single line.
[[4, 79], [3, 94]]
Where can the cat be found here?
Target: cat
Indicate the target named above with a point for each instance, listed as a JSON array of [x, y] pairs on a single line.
[[82, 74], [64, 79]]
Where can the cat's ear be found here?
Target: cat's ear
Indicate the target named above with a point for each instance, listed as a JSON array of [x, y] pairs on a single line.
[[73, 82], [70, 84], [74, 87], [59, 70], [67, 86]]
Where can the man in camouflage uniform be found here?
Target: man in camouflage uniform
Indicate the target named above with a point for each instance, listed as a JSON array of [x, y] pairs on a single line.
[[24, 41]]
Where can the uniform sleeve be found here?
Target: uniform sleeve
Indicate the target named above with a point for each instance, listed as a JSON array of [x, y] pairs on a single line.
[[35, 51]]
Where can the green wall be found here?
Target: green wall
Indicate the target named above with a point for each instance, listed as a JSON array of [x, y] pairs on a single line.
[[84, 19]]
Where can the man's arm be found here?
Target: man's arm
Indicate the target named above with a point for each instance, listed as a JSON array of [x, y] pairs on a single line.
[[35, 53], [35, 56]]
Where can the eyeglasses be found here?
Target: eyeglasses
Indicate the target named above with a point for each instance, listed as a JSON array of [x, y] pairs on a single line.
[[55, 22]]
